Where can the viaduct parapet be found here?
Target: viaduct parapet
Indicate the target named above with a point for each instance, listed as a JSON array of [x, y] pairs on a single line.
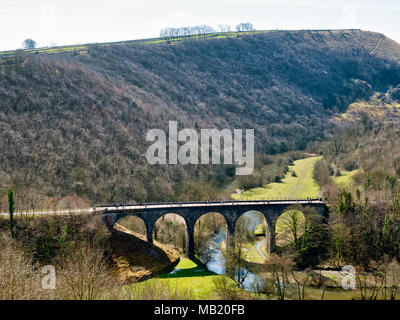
[[192, 211]]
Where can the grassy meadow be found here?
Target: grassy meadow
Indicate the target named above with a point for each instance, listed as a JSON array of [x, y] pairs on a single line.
[[346, 178], [302, 186], [82, 48], [188, 279]]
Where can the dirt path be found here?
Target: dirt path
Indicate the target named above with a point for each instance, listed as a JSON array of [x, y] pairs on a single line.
[[258, 245], [377, 46], [311, 154]]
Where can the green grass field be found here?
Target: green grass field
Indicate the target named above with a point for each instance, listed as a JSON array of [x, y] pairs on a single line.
[[345, 179], [302, 186], [252, 255], [84, 47], [192, 277]]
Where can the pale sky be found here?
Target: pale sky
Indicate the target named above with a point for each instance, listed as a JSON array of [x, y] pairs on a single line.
[[89, 21]]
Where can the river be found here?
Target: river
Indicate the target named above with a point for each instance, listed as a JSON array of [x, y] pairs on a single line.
[[217, 262]]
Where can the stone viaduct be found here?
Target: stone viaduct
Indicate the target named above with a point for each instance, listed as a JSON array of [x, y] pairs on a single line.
[[192, 211]]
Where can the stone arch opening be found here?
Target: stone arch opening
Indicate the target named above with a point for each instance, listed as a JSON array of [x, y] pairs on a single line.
[[210, 230], [252, 220], [170, 229], [134, 224], [289, 227], [253, 227]]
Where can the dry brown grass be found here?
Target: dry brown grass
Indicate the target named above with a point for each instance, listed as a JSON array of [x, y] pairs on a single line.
[[84, 275], [18, 279], [135, 259], [83, 269]]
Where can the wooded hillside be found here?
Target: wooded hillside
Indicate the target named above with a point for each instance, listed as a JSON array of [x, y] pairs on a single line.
[[75, 123]]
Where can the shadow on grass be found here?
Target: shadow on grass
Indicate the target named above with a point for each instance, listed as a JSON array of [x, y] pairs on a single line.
[[192, 272], [199, 271]]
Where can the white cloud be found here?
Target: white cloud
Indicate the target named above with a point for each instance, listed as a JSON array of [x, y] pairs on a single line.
[[285, 3], [180, 15], [180, 18], [48, 17], [349, 16]]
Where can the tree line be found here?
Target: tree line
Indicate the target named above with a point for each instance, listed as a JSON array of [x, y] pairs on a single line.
[[202, 30]]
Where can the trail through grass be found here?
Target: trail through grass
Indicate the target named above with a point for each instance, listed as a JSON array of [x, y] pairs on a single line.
[[302, 186]]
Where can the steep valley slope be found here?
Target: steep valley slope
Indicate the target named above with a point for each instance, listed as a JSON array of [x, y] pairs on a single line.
[[75, 123]]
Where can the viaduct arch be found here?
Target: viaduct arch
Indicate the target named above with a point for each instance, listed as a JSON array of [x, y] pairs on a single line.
[[192, 211]]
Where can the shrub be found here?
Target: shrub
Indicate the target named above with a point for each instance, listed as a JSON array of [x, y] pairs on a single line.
[[249, 182], [84, 275], [157, 289], [350, 165], [321, 173], [18, 278]]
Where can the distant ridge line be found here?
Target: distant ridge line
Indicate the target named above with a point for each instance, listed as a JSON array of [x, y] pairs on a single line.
[[84, 46]]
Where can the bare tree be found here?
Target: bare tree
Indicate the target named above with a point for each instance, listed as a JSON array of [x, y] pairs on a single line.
[[84, 275], [18, 279], [224, 28], [245, 26], [235, 257], [293, 221], [392, 279], [186, 31], [280, 268]]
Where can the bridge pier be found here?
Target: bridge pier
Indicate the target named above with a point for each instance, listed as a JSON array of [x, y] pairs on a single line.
[[149, 232], [191, 212], [190, 243], [268, 240], [230, 237], [271, 247]]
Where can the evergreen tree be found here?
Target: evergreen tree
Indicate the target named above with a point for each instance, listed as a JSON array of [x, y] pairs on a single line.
[[11, 208]]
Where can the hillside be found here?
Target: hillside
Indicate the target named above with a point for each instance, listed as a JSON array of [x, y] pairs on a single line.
[[366, 144], [135, 260], [75, 123]]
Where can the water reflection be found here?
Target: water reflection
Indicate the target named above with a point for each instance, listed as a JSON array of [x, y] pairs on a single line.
[[217, 261]]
